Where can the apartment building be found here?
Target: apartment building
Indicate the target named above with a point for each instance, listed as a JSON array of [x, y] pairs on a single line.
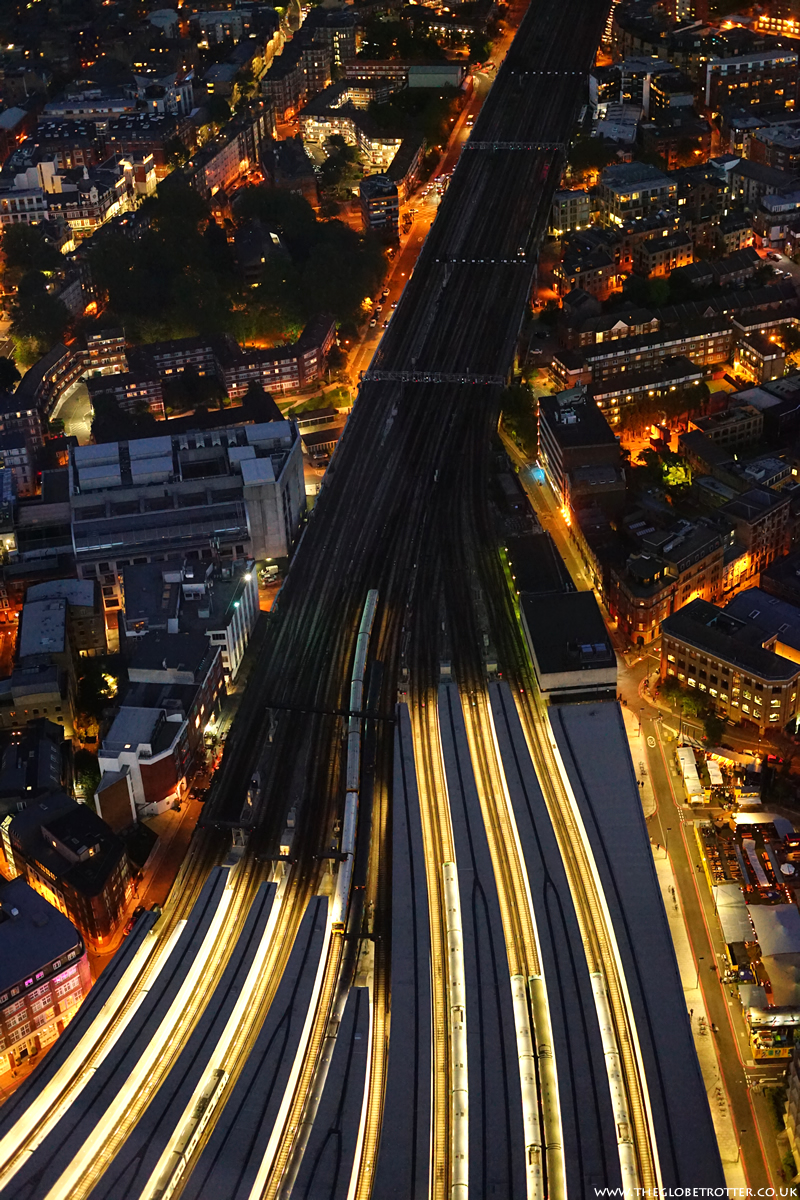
[[630, 190], [380, 206], [768, 77], [17, 457], [615, 393], [325, 115], [670, 568], [739, 426], [734, 232], [44, 973], [149, 133], [230, 493], [85, 624], [776, 146], [705, 341], [131, 390], [158, 735], [658, 257], [762, 524], [759, 358], [572, 210], [752, 182], [734, 662], [73, 859], [607, 327], [573, 434], [594, 271], [219, 602], [44, 383], [235, 151]]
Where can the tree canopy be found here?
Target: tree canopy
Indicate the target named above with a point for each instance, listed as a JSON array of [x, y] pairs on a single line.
[[111, 423], [180, 278], [9, 375], [38, 319], [26, 248]]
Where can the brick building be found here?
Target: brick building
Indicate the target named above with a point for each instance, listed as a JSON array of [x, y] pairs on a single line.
[[44, 973], [72, 858]]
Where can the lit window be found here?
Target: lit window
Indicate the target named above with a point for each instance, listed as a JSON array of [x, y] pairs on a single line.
[[690, 681]]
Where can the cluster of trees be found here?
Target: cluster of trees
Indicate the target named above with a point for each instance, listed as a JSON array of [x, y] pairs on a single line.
[[666, 468], [9, 375], [330, 267], [189, 391], [519, 417], [635, 417], [419, 110], [38, 318], [342, 169], [392, 36], [180, 278], [111, 423], [692, 703], [590, 154]]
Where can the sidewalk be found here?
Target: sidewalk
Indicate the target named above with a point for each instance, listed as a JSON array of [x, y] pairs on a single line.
[[704, 1039], [639, 759]]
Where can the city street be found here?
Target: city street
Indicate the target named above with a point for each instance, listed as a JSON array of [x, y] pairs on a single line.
[[672, 826]]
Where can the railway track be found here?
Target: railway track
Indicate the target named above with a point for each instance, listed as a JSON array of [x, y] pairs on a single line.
[[438, 842], [203, 856], [601, 953], [637, 1146]]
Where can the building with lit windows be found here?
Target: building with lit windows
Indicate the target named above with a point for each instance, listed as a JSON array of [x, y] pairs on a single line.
[[660, 256], [671, 567], [631, 190], [187, 597], [767, 77], [213, 495], [737, 662], [572, 210], [44, 973], [71, 857], [380, 206], [761, 521], [158, 736]]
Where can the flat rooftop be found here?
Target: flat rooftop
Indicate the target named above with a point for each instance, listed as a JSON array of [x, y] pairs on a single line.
[[38, 933], [79, 593], [575, 420], [596, 754], [43, 630], [569, 635], [715, 631]]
